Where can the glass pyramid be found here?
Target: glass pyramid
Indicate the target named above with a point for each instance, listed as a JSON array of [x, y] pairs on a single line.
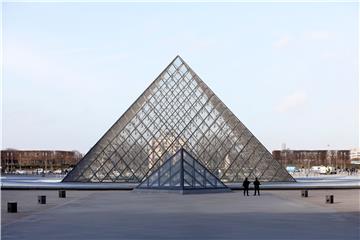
[[182, 172], [178, 110]]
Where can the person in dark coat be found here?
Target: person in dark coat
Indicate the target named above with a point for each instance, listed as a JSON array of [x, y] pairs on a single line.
[[257, 186], [246, 184]]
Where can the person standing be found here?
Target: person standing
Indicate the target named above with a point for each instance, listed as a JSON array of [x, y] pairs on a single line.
[[246, 184], [257, 186]]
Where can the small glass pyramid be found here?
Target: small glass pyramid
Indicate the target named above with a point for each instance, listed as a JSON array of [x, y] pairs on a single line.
[[184, 173]]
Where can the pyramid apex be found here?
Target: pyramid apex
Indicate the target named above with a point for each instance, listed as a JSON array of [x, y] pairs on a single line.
[[177, 57]]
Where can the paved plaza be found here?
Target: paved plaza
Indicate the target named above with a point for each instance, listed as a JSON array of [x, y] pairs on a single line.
[[129, 215]]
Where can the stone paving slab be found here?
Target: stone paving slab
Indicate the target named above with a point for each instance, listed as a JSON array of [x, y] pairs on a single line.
[[129, 215]]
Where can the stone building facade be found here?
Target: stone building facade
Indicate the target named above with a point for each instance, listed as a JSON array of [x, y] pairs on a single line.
[[12, 159], [309, 158]]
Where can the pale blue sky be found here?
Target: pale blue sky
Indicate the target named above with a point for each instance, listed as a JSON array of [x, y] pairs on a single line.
[[288, 71]]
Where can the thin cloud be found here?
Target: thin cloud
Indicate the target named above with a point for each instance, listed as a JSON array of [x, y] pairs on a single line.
[[35, 65], [282, 42], [291, 102], [43, 69], [329, 55], [318, 35]]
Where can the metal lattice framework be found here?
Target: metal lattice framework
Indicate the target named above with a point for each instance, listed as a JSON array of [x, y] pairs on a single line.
[[182, 172], [176, 111]]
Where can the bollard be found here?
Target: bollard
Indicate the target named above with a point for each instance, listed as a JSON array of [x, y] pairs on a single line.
[[12, 207], [62, 194], [330, 199], [304, 193], [42, 199]]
